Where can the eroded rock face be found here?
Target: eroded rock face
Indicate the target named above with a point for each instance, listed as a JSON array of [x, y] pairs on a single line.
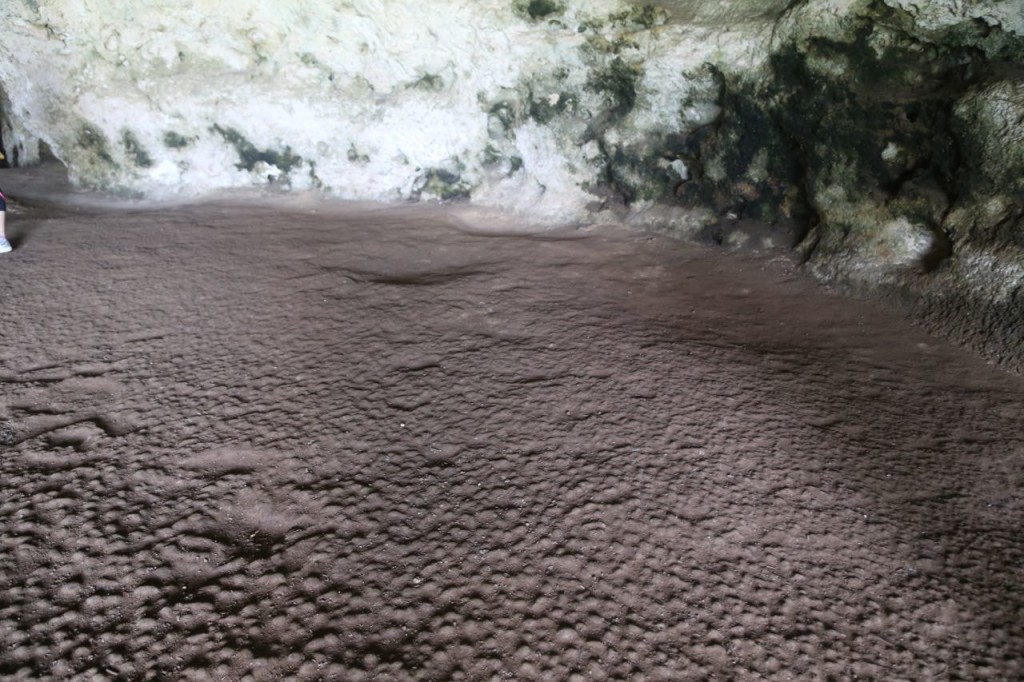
[[882, 136], [518, 104], [895, 129]]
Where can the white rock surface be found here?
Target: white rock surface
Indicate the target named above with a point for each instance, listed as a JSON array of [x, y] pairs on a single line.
[[930, 15], [362, 99]]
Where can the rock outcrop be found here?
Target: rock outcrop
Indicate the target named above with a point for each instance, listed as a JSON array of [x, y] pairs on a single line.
[[523, 105], [894, 133]]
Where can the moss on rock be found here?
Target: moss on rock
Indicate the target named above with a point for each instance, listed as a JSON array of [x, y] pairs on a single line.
[[431, 82], [173, 140], [643, 17], [617, 82], [441, 184], [92, 141], [536, 10], [354, 156], [744, 163], [134, 150], [544, 108], [249, 155], [863, 117], [900, 143]]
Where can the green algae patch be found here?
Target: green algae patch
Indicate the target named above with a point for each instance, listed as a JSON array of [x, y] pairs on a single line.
[[644, 17], [545, 108], [354, 156], [832, 120], [743, 163], [173, 140], [490, 156], [134, 150], [882, 129], [92, 140], [445, 185], [429, 82], [617, 82], [501, 116], [871, 138], [494, 159], [249, 155], [634, 176], [536, 10], [91, 161]]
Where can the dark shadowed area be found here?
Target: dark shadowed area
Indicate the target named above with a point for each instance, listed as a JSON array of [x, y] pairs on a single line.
[[265, 442]]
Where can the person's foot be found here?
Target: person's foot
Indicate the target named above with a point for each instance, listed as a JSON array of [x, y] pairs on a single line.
[[5, 246]]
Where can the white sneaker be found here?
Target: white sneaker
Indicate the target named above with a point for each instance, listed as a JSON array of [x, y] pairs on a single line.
[[5, 246]]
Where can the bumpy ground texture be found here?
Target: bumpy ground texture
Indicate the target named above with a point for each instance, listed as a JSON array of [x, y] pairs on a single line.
[[242, 442]]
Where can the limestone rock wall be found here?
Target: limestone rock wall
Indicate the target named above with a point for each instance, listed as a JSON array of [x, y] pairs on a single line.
[[894, 131], [520, 104]]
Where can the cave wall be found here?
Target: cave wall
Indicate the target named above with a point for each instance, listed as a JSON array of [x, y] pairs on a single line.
[[519, 104], [883, 138], [895, 132]]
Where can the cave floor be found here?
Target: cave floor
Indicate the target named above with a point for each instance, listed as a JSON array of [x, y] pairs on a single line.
[[312, 443]]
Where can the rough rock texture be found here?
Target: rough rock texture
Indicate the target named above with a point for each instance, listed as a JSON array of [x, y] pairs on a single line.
[[244, 443], [523, 105], [896, 135]]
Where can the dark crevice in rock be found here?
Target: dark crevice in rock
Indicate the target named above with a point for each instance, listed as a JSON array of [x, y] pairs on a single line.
[[746, 163], [536, 10]]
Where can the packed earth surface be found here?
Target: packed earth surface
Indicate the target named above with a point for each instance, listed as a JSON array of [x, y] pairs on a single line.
[[291, 439]]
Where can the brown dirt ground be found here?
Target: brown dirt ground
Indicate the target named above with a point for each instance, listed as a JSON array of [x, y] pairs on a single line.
[[256, 441]]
